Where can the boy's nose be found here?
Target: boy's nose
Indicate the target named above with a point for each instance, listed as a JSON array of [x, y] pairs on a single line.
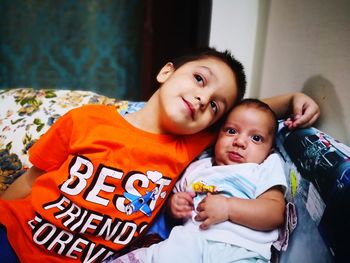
[[203, 100], [200, 101]]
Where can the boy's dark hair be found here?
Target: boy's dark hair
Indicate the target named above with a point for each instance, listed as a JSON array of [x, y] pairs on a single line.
[[256, 103], [225, 56]]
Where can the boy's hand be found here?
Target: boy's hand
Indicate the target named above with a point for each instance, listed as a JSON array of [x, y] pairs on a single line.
[[181, 204], [305, 112], [212, 209]]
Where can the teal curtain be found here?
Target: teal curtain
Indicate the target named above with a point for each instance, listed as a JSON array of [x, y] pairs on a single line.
[[71, 44]]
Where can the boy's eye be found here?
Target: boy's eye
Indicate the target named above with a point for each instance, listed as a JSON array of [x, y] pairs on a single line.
[[199, 79], [214, 106], [257, 138]]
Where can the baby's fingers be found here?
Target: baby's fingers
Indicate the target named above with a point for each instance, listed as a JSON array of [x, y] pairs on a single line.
[[184, 214], [206, 224], [201, 216]]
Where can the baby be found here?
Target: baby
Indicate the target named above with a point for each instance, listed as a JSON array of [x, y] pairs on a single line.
[[234, 202]]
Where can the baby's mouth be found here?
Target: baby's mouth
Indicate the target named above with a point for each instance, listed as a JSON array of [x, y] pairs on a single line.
[[235, 156]]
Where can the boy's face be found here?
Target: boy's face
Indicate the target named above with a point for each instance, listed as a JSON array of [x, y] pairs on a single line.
[[195, 95], [246, 136]]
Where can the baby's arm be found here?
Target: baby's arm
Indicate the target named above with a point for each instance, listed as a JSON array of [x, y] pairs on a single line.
[[304, 109], [264, 213], [22, 187]]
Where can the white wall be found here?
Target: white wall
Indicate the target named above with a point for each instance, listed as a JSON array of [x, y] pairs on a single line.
[[292, 45], [234, 27]]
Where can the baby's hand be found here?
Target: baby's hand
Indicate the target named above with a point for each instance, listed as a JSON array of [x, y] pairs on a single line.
[[181, 204], [212, 209]]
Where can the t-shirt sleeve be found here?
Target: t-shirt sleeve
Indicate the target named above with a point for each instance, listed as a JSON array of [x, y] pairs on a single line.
[[271, 174], [52, 148], [200, 141]]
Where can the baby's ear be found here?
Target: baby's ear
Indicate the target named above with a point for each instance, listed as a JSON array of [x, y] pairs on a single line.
[[165, 72]]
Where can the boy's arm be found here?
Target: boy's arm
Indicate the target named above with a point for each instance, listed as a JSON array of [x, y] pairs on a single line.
[[22, 187], [264, 213], [304, 109]]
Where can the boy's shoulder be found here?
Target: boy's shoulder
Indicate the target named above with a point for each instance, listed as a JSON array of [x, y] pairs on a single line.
[[94, 109], [93, 112]]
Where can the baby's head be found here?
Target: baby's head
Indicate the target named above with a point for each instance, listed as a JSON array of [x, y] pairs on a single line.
[[247, 135], [197, 90]]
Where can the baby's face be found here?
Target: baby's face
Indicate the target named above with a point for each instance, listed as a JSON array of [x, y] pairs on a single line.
[[246, 136]]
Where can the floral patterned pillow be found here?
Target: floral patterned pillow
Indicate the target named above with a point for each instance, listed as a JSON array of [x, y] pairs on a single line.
[[25, 114]]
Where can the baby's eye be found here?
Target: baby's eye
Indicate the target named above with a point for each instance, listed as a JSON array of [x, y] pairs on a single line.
[[214, 106], [257, 138], [199, 79], [231, 131]]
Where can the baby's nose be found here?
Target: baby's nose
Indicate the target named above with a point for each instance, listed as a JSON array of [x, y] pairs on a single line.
[[240, 141]]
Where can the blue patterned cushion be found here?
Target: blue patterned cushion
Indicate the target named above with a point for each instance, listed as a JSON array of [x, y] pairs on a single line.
[[317, 167]]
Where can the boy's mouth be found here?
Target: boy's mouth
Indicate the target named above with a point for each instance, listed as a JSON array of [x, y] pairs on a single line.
[[190, 108]]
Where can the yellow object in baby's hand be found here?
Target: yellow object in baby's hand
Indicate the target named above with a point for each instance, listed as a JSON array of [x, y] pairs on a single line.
[[201, 187]]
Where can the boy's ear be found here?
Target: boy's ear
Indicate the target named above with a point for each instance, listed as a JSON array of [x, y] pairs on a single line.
[[165, 72]]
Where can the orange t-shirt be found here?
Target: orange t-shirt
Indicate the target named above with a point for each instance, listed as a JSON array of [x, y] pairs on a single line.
[[105, 182]]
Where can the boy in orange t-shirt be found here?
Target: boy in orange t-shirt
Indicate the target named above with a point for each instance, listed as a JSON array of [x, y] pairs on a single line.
[[98, 180]]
